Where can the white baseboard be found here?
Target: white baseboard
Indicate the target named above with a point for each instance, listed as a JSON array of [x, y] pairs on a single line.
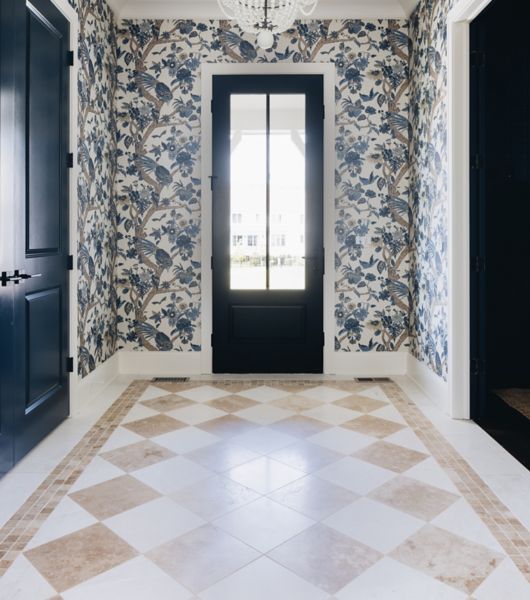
[[433, 386], [94, 383], [159, 364], [368, 364]]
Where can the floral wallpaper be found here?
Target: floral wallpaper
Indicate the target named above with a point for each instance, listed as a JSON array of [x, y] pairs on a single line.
[[158, 201], [428, 191], [97, 327]]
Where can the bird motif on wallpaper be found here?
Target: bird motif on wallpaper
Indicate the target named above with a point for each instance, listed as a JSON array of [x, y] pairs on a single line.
[[86, 61], [233, 40], [86, 261], [162, 258], [162, 175], [162, 341], [151, 84]]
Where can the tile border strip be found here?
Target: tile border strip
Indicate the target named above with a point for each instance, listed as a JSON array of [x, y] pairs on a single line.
[[27, 520], [511, 534]]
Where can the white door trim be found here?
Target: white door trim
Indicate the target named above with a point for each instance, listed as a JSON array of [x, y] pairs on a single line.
[[207, 73], [71, 16], [458, 76]]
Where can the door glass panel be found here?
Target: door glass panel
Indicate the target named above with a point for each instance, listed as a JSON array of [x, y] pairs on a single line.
[[248, 191], [287, 191]]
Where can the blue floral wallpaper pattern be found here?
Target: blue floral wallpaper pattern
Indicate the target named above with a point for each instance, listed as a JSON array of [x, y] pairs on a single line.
[[157, 188], [428, 190], [97, 319]]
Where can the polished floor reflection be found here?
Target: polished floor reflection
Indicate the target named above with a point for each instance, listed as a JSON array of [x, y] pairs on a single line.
[[255, 490]]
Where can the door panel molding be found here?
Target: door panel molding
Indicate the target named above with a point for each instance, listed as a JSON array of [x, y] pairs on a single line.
[[328, 72]]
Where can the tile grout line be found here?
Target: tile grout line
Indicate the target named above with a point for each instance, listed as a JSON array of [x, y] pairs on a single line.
[[18, 531], [489, 508]]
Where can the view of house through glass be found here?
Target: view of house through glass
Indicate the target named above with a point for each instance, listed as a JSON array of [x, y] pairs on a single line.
[[267, 195]]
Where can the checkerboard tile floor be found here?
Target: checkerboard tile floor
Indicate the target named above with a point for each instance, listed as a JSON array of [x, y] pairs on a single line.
[[285, 491]]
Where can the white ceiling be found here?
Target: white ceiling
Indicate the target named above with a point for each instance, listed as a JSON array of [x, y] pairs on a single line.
[[208, 9]]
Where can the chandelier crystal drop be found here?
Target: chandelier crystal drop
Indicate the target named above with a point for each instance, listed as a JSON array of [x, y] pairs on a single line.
[[266, 17]]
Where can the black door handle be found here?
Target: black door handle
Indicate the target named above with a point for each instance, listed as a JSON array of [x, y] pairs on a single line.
[[16, 278]]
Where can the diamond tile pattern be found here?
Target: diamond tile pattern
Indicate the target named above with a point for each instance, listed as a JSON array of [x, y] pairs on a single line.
[[265, 489]]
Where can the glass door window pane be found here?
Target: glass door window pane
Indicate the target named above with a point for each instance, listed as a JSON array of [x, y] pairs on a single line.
[[248, 191], [287, 191]]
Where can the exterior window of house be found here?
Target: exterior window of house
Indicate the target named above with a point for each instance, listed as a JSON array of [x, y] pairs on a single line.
[[237, 218]]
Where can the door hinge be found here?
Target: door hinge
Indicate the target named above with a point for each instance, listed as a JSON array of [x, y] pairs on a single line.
[[323, 338], [211, 340], [211, 106], [478, 264], [70, 364], [478, 58], [70, 262], [477, 162], [70, 160], [212, 178], [478, 366], [211, 263], [323, 261], [323, 112], [70, 58]]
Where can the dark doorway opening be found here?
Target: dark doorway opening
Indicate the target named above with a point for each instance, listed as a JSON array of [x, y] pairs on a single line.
[[500, 218], [268, 257]]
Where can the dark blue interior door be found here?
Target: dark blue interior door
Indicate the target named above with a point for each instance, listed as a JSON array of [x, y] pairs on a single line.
[[38, 284]]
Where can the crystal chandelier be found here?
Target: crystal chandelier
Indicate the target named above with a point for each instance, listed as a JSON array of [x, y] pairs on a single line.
[[266, 17]]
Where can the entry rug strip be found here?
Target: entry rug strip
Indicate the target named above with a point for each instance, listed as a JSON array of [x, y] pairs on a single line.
[[25, 523], [511, 534]]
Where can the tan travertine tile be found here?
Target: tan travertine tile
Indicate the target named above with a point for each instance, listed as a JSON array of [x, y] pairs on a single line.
[[325, 557], [112, 497], [138, 455], [374, 426], [297, 403], [391, 456], [74, 558], [300, 426], [231, 404], [414, 497], [449, 558], [155, 425], [167, 403], [360, 403], [227, 426], [202, 557]]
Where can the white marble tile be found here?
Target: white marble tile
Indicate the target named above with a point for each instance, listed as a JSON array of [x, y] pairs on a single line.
[[186, 440], [171, 475], [429, 471], [263, 579], [332, 414], [264, 414], [119, 438], [153, 523], [408, 439], [137, 412], [324, 393], [203, 393], [374, 524], [23, 582], [97, 471], [263, 524], [137, 579], [505, 582], [153, 392], [341, 440], [355, 475], [67, 517], [375, 392], [390, 580], [264, 393], [389, 413], [264, 475], [264, 440], [196, 413], [462, 520]]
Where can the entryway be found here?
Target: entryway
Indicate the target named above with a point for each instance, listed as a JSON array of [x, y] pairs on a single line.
[[268, 258], [499, 217], [34, 243]]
